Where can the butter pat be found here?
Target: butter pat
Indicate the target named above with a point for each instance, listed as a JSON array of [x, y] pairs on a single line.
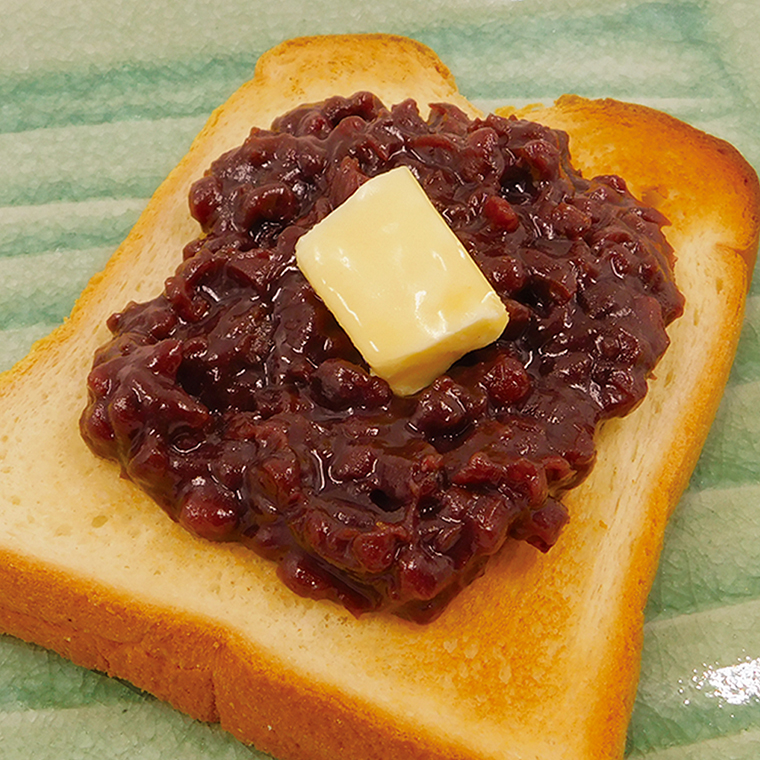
[[399, 282]]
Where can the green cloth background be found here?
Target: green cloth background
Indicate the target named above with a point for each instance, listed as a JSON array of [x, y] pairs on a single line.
[[99, 99]]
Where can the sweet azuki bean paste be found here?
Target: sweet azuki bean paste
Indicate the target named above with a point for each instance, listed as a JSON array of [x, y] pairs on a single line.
[[236, 401]]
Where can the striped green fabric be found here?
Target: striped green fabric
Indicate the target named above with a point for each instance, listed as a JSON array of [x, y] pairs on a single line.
[[99, 100]]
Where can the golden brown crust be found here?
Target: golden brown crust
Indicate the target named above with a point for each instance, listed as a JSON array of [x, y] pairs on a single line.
[[696, 180], [537, 659], [683, 173]]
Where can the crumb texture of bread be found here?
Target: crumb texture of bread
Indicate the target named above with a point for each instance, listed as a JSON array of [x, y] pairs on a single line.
[[538, 659]]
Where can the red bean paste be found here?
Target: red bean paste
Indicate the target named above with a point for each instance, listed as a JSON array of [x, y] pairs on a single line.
[[237, 402]]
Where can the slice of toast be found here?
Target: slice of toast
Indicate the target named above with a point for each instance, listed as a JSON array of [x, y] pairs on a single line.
[[536, 659]]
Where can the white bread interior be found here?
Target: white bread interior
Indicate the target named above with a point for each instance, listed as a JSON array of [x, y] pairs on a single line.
[[536, 660]]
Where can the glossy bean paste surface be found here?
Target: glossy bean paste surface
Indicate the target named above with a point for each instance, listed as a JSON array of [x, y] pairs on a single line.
[[238, 403]]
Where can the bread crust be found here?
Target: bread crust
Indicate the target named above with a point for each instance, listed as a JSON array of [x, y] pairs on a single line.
[[537, 659]]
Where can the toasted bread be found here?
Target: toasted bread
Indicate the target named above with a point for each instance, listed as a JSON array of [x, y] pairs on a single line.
[[536, 659]]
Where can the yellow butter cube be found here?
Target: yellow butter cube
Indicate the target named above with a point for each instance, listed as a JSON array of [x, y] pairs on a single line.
[[400, 283]]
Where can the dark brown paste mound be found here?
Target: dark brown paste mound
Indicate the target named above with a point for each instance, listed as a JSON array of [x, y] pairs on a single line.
[[239, 405]]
